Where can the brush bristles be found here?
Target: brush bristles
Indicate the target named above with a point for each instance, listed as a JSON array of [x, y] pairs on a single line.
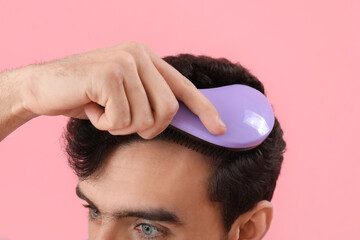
[[188, 141]]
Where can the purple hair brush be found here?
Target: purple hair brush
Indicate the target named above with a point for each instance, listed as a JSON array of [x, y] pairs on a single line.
[[247, 113]]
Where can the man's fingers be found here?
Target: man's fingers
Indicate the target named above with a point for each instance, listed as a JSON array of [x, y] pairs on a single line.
[[109, 108], [141, 114], [161, 97], [141, 93], [94, 112], [185, 91]]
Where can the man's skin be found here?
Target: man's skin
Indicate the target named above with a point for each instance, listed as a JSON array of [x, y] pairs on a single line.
[[156, 193], [161, 187]]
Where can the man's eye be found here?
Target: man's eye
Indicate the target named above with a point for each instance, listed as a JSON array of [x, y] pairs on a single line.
[[148, 231], [93, 212]]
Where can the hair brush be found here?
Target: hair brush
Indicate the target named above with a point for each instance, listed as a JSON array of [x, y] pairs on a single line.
[[247, 113]]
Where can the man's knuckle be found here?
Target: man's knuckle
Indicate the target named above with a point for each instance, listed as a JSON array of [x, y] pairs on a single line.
[[184, 94], [171, 108], [132, 44], [112, 125], [168, 114], [135, 47], [174, 107], [127, 60], [188, 84], [143, 125], [111, 72], [124, 122], [147, 122]]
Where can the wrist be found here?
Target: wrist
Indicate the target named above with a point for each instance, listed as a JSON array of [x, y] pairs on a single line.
[[25, 92], [13, 111]]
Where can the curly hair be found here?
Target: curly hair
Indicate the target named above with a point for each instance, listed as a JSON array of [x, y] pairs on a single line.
[[238, 180]]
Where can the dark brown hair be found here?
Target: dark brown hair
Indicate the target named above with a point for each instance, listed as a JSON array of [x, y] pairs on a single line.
[[239, 179]]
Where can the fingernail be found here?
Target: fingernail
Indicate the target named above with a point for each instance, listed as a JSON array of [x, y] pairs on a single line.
[[220, 122]]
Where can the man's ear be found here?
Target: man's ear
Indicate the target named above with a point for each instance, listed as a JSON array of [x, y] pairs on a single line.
[[253, 224]]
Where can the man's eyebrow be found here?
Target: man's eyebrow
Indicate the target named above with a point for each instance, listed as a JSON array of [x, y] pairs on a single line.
[[82, 196], [157, 214]]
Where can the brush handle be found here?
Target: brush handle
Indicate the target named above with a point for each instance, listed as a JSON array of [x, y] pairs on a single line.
[[247, 113]]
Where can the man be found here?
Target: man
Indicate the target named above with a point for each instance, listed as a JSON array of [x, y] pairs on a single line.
[[153, 187]]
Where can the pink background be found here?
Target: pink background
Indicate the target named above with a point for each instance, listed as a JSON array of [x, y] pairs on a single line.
[[307, 54]]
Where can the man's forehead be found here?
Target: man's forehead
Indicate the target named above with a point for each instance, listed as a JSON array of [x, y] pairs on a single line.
[[154, 159], [149, 174]]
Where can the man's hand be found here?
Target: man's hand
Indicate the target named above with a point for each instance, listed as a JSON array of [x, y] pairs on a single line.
[[122, 89]]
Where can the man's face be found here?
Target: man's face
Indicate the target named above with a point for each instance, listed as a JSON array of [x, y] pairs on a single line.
[[152, 190]]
